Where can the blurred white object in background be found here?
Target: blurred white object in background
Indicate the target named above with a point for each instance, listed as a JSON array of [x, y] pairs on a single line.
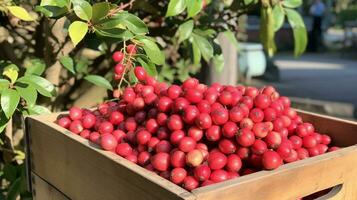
[[251, 60]]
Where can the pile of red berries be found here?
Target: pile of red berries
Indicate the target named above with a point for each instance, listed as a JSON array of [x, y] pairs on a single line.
[[196, 135]]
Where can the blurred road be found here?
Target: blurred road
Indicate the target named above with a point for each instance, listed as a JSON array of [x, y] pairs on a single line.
[[318, 76]]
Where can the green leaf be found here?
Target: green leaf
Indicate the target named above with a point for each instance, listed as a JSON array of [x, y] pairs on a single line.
[[38, 110], [204, 45], [59, 3], [77, 30], [175, 7], [99, 11], [292, 3], [14, 190], [205, 33], [112, 22], [4, 84], [115, 33], [300, 34], [11, 73], [196, 53], [193, 7], [83, 9], [185, 30], [67, 62], [279, 17], [52, 11], [166, 72], [218, 62], [149, 67], [99, 81], [82, 66], [3, 121], [28, 92], [9, 100], [10, 172], [42, 85], [35, 66], [20, 13], [152, 51], [135, 24], [247, 2], [232, 38]]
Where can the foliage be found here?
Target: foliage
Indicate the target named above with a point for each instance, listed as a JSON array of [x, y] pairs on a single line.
[[58, 48]]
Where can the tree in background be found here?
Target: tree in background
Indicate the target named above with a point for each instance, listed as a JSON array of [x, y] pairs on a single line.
[[54, 50]]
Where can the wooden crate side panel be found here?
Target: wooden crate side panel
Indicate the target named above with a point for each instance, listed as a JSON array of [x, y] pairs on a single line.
[[342, 132], [292, 180], [86, 172], [41, 190]]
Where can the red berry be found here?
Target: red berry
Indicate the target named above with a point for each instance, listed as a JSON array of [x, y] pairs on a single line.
[[176, 136], [164, 104], [85, 133], [140, 73], [301, 131], [163, 146], [245, 137], [243, 152], [193, 95], [260, 130], [187, 144], [190, 183], [131, 49], [144, 158], [325, 139], [178, 159], [234, 163], [257, 115], [204, 106], [296, 141], [143, 137], [203, 121], [273, 139], [271, 160], [108, 141], [130, 124], [161, 161], [236, 114], [94, 137], [65, 122], [76, 127], [229, 129], [189, 114], [225, 98], [118, 56], [259, 147], [213, 133], [219, 175], [262, 101], [219, 116], [202, 172], [309, 141], [152, 125], [216, 160], [75, 113], [227, 146], [302, 153], [119, 69], [194, 158], [123, 149], [177, 175], [174, 91], [174, 123], [195, 133]]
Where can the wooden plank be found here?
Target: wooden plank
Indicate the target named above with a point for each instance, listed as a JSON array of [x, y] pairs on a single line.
[[44, 191], [300, 178], [81, 170]]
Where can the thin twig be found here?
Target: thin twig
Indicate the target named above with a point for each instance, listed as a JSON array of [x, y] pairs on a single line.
[[121, 7]]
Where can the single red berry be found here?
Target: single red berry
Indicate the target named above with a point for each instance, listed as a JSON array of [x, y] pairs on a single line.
[[140, 73], [131, 49]]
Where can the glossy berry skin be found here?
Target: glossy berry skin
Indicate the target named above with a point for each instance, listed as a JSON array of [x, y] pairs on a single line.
[[216, 160], [262, 101], [245, 137], [271, 160], [187, 144], [234, 163], [203, 121], [229, 129], [177, 175], [123, 149], [190, 183], [219, 176], [131, 49], [106, 127], [174, 91], [161, 161], [119, 69], [174, 123], [65, 122], [193, 95], [219, 116], [178, 158], [143, 137], [213, 133], [108, 142], [194, 158], [118, 56], [227, 146], [75, 113], [76, 127], [140, 73], [202, 172]]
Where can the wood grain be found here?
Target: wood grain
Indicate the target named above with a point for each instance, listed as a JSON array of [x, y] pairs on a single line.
[[44, 191], [82, 171]]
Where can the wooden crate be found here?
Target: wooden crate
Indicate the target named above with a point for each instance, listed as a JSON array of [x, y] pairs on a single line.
[[63, 165]]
